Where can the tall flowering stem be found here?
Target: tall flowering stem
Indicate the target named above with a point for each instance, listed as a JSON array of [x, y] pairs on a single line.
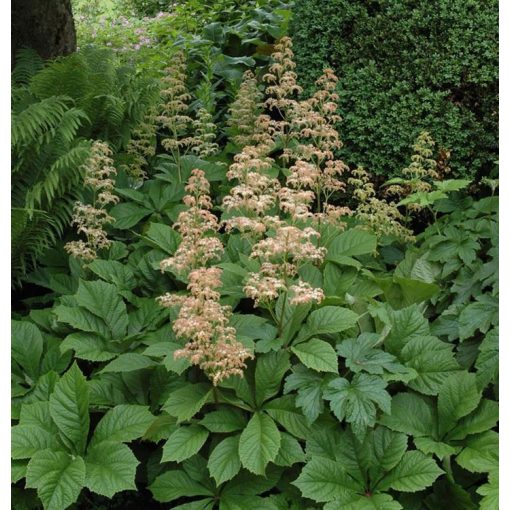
[[90, 219], [202, 320], [174, 116]]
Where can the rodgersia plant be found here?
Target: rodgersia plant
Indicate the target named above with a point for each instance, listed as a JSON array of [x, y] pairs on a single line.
[[90, 219], [202, 321]]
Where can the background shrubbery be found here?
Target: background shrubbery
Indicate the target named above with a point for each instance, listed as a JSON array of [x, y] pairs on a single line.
[[404, 67]]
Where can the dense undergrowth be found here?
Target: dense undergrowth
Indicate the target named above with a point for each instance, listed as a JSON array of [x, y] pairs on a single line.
[[226, 315]]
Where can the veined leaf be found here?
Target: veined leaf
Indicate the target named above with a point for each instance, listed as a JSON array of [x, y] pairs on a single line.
[[317, 355], [438, 448], [88, 346], [224, 421], [413, 473], [327, 320], [356, 401], [185, 402], [269, 372], [481, 453], [224, 462], [111, 468], [58, 478], [129, 362], [176, 484], [411, 414], [123, 423], [290, 451], [103, 300], [69, 409], [358, 502], [483, 418], [324, 480], [259, 443], [352, 242], [183, 443], [457, 397], [82, 319], [27, 440], [26, 346]]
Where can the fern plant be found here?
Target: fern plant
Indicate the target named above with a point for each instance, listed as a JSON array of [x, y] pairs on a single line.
[[57, 110]]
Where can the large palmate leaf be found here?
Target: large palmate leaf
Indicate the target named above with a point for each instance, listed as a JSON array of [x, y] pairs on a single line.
[[69, 409], [58, 478], [259, 443], [356, 401], [111, 468]]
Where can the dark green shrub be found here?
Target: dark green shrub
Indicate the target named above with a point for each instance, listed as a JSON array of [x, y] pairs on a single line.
[[406, 66]]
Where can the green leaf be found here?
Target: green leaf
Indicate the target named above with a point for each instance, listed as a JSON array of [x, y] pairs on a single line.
[[183, 443], [429, 446], [432, 359], [355, 401], [103, 299], [284, 411], [328, 320], [358, 502], [128, 214], [69, 409], [411, 414], [123, 424], [114, 272], [290, 451], [387, 448], [269, 372], [490, 493], [318, 355], [129, 362], [111, 468], [259, 443], [361, 355], [88, 346], [224, 421], [163, 237], [477, 316], [82, 319], [325, 480], [224, 462], [27, 440], [487, 363], [483, 418], [176, 484], [58, 478], [481, 453], [309, 386], [26, 346], [185, 402], [406, 324], [414, 472], [351, 243], [457, 397]]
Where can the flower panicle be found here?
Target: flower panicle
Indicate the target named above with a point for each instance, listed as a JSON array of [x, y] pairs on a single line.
[[91, 219]]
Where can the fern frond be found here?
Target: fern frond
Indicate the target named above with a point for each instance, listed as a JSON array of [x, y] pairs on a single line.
[[28, 64]]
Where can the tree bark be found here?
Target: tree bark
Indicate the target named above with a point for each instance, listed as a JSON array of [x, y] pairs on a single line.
[[47, 26]]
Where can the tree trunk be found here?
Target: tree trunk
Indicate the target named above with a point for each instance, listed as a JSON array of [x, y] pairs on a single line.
[[47, 26]]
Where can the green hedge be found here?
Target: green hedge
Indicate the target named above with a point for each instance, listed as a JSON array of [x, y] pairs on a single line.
[[407, 66]]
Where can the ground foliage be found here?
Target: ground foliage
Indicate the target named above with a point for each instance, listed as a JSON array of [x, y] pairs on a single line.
[[381, 393]]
